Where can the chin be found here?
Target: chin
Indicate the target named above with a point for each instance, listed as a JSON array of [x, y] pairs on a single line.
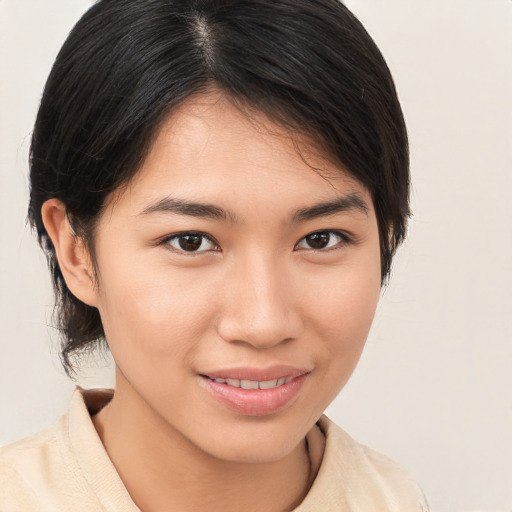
[[254, 440], [252, 451]]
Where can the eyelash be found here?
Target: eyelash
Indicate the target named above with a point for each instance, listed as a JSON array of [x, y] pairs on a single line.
[[344, 240]]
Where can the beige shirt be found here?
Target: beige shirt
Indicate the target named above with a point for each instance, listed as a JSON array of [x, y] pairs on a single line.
[[66, 468]]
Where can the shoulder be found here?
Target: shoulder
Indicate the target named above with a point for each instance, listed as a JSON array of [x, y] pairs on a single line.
[[15, 494], [20, 462], [64, 467], [43, 472], [358, 478]]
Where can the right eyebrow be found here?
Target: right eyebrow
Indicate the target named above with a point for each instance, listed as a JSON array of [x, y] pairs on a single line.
[[192, 209]]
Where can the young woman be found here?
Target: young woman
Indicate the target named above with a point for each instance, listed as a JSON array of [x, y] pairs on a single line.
[[220, 187]]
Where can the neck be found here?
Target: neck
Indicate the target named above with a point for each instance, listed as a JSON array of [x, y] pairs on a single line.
[[163, 470]]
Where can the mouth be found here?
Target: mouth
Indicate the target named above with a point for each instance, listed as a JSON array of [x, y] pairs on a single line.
[[252, 392]]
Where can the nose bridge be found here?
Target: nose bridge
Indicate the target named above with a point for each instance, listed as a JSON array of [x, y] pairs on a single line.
[[259, 304]]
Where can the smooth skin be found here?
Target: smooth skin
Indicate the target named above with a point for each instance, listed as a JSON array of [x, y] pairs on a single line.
[[279, 265]]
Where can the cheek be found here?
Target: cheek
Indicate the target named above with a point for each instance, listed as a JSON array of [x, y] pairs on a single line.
[[151, 316], [342, 314]]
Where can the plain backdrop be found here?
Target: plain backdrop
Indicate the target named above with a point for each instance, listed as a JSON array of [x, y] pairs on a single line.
[[434, 387]]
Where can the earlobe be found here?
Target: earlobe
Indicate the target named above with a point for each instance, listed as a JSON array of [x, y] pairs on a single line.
[[72, 256]]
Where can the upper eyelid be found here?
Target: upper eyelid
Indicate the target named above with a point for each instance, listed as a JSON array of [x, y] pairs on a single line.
[[343, 234], [189, 232]]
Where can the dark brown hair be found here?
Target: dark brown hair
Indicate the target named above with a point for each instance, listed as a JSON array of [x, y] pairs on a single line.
[[308, 65]]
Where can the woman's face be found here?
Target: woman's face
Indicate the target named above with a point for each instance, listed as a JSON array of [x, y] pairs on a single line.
[[229, 263]]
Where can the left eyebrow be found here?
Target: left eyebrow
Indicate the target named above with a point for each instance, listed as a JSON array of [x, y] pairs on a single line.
[[350, 202]]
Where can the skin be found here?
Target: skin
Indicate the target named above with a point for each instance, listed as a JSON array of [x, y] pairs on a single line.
[[257, 295]]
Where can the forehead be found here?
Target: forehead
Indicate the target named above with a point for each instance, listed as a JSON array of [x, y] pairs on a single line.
[[208, 149]]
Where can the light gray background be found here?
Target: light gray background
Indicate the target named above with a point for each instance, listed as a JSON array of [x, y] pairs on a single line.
[[434, 387]]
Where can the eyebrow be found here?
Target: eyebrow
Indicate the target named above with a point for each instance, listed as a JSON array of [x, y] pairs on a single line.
[[350, 202], [172, 205]]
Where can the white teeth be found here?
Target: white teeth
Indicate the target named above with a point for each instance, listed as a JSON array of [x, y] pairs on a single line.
[[249, 384], [268, 384], [254, 384]]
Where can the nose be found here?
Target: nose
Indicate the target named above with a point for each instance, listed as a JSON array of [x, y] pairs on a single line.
[[259, 304]]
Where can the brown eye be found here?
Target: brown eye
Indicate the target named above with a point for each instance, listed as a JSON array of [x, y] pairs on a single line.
[[320, 240], [191, 242]]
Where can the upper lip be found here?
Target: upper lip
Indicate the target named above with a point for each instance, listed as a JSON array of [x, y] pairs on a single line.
[[257, 374]]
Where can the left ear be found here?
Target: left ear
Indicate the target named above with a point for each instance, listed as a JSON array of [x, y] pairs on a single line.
[[72, 256]]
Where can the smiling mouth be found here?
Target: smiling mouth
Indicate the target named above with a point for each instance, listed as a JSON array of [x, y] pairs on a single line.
[[253, 384], [255, 397]]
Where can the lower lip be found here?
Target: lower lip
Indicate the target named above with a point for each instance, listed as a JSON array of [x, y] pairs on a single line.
[[255, 402]]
